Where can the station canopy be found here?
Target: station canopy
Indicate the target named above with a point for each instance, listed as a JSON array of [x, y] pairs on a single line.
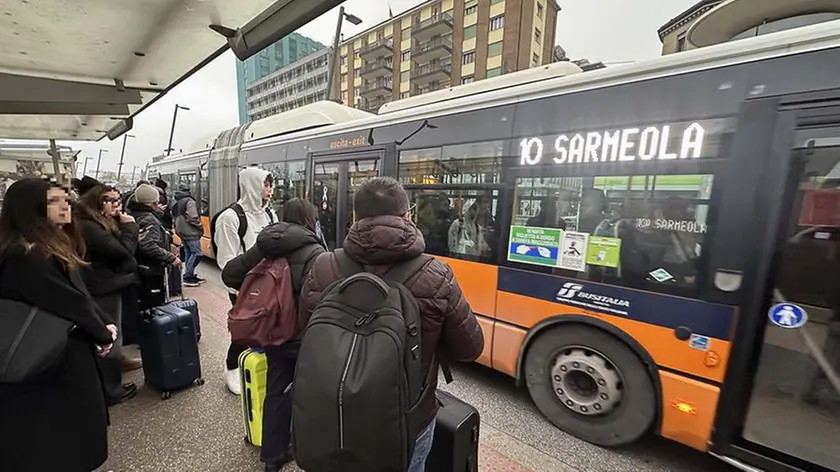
[[81, 70]]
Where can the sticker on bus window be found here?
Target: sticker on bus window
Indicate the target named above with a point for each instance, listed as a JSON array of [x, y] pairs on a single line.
[[573, 251], [661, 275], [787, 315], [603, 251], [533, 245]]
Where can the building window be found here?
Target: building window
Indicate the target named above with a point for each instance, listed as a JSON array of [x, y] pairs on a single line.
[[405, 95], [537, 36], [468, 80], [493, 2], [497, 22], [344, 96], [494, 72], [357, 72], [681, 42], [494, 49], [469, 57], [471, 8], [357, 91], [539, 10], [536, 59], [469, 32], [405, 76], [344, 77], [406, 55], [406, 32], [344, 60]]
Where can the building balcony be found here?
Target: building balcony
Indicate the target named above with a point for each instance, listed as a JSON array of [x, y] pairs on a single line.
[[428, 73], [435, 49], [375, 89], [438, 25], [381, 48], [372, 70]]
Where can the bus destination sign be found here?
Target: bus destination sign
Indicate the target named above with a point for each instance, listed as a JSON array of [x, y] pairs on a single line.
[[664, 142]]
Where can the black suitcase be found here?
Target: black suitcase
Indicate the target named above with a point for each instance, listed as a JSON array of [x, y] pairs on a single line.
[[191, 306], [152, 290], [176, 288], [169, 348], [455, 444]]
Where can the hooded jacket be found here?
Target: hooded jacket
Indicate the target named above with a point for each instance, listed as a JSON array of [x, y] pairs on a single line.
[[188, 225], [251, 185], [448, 324]]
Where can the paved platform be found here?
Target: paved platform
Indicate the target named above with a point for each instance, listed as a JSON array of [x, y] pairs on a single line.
[[200, 429]]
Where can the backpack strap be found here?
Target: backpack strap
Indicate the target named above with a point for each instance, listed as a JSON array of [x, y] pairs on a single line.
[[243, 223], [270, 215], [346, 265], [402, 273]]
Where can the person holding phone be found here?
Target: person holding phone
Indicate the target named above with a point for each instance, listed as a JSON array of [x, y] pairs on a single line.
[[58, 422], [111, 240]]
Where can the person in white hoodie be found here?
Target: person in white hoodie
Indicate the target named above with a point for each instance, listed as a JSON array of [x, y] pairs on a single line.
[[255, 188]]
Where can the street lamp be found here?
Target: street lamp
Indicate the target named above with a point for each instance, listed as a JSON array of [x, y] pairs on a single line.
[[84, 168], [99, 162], [122, 154], [172, 131], [355, 20]]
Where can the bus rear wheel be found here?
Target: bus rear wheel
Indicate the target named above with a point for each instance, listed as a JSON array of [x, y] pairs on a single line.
[[590, 385]]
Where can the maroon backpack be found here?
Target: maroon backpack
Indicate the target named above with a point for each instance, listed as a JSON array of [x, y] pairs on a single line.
[[265, 313]]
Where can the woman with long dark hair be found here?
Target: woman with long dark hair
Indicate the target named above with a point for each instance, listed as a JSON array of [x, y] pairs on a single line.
[[297, 240], [58, 422], [111, 239]]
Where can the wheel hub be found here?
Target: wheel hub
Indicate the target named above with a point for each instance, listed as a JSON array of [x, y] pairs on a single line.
[[586, 382]]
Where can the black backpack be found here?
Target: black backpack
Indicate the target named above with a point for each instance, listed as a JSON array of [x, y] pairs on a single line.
[[359, 373], [243, 225]]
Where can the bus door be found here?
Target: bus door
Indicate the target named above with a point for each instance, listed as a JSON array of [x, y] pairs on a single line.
[[784, 399], [334, 176]]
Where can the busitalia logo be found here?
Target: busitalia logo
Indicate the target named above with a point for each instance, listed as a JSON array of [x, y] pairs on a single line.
[[569, 290], [573, 294]]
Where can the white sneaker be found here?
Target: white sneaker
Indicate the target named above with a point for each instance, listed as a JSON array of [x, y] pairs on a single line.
[[232, 381]]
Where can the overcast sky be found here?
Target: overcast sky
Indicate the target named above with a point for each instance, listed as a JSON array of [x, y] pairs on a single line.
[[612, 31]]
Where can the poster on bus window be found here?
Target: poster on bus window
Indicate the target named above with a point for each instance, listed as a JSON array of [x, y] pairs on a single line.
[[533, 245], [573, 250], [603, 251], [820, 208]]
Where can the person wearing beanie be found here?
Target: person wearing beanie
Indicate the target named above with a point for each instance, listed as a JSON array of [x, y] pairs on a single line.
[[153, 240]]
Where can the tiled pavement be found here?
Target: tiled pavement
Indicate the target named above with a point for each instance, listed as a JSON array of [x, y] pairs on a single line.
[[200, 429]]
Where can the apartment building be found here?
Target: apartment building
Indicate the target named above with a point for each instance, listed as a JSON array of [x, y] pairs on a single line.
[[297, 84], [274, 57], [442, 43]]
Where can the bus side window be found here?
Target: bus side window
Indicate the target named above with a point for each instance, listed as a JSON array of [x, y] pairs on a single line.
[[642, 231]]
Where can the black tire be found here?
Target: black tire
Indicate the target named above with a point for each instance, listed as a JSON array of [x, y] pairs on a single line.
[[633, 416], [166, 395]]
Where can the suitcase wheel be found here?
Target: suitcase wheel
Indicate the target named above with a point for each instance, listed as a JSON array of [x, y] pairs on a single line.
[[199, 381], [166, 395]]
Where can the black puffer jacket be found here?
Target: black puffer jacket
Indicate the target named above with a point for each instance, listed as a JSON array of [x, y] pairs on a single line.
[[112, 265], [448, 322], [153, 240], [299, 245]]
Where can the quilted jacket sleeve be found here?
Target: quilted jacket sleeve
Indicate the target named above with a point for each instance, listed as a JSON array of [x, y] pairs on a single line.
[[461, 335]]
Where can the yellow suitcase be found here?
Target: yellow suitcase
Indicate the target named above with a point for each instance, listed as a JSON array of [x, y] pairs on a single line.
[[252, 374]]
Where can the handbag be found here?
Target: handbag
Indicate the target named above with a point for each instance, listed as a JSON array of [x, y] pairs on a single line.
[[32, 342]]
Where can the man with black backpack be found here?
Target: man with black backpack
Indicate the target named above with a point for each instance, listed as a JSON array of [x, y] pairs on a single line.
[[234, 230], [379, 316]]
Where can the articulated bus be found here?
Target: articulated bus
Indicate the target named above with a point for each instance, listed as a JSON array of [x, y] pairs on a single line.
[[648, 248]]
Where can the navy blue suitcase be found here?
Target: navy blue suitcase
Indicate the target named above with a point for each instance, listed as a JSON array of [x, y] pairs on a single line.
[[169, 348], [191, 306]]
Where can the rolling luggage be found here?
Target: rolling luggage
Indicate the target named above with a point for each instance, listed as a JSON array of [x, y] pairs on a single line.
[[169, 347], [176, 287], [152, 288], [455, 444], [252, 373], [191, 306]]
